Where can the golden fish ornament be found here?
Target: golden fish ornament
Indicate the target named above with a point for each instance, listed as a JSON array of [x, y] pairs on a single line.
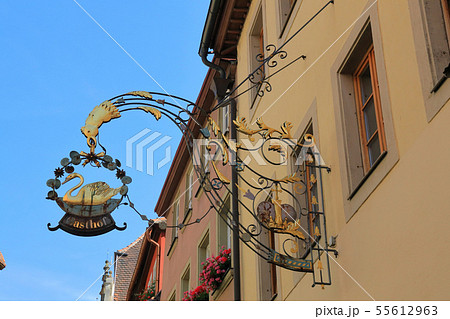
[[102, 113]]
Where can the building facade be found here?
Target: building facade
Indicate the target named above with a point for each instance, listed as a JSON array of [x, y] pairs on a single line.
[[366, 82], [372, 90], [201, 233], [146, 281]]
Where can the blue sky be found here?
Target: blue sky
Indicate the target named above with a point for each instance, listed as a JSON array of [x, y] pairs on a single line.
[[56, 64]]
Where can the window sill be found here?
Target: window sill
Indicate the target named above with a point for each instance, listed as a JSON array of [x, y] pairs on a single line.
[[374, 166], [203, 185], [172, 247], [439, 84], [187, 216], [255, 101], [370, 182]]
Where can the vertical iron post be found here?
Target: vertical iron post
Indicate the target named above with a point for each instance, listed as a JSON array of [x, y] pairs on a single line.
[[235, 209]]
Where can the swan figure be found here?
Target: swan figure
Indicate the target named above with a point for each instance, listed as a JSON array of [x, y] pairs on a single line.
[[91, 194]]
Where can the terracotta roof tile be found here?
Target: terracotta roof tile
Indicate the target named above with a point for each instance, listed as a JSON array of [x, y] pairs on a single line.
[[2, 261], [125, 263], [137, 241]]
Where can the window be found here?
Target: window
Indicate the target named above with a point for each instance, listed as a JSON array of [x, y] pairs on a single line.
[[175, 222], [201, 161], [153, 277], [224, 231], [273, 268], [204, 251], [307, 194], [437, 25], [362, 110], [188, 194], [256, 55], [185, 281], [224, 119], [201, 155], [369, 111], [365, 133], [205, 156], [432, 38], [446, 14], [175, 217], [285, 7], [267, 271]]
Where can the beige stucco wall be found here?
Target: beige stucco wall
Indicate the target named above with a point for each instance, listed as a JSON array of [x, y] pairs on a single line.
[[393, 246]]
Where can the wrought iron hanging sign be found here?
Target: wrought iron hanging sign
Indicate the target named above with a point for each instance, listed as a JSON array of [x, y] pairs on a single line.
[[291, 207], [88, 211], [87, 207], [272, 205]]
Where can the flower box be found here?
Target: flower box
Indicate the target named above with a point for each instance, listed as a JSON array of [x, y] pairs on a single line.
[[214, 269]]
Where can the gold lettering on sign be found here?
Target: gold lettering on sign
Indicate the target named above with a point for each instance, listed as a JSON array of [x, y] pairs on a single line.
[[88, 224]]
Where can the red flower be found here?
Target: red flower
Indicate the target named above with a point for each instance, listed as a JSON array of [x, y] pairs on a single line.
[[148, 293], [198, 294], [214, 269]]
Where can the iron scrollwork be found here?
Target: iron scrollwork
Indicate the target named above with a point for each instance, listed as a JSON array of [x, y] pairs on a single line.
[[284, 205], [272, 53]]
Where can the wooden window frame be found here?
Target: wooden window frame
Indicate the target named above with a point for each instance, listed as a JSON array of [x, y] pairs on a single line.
[[369, 59], [446, 12], [261, 42]]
